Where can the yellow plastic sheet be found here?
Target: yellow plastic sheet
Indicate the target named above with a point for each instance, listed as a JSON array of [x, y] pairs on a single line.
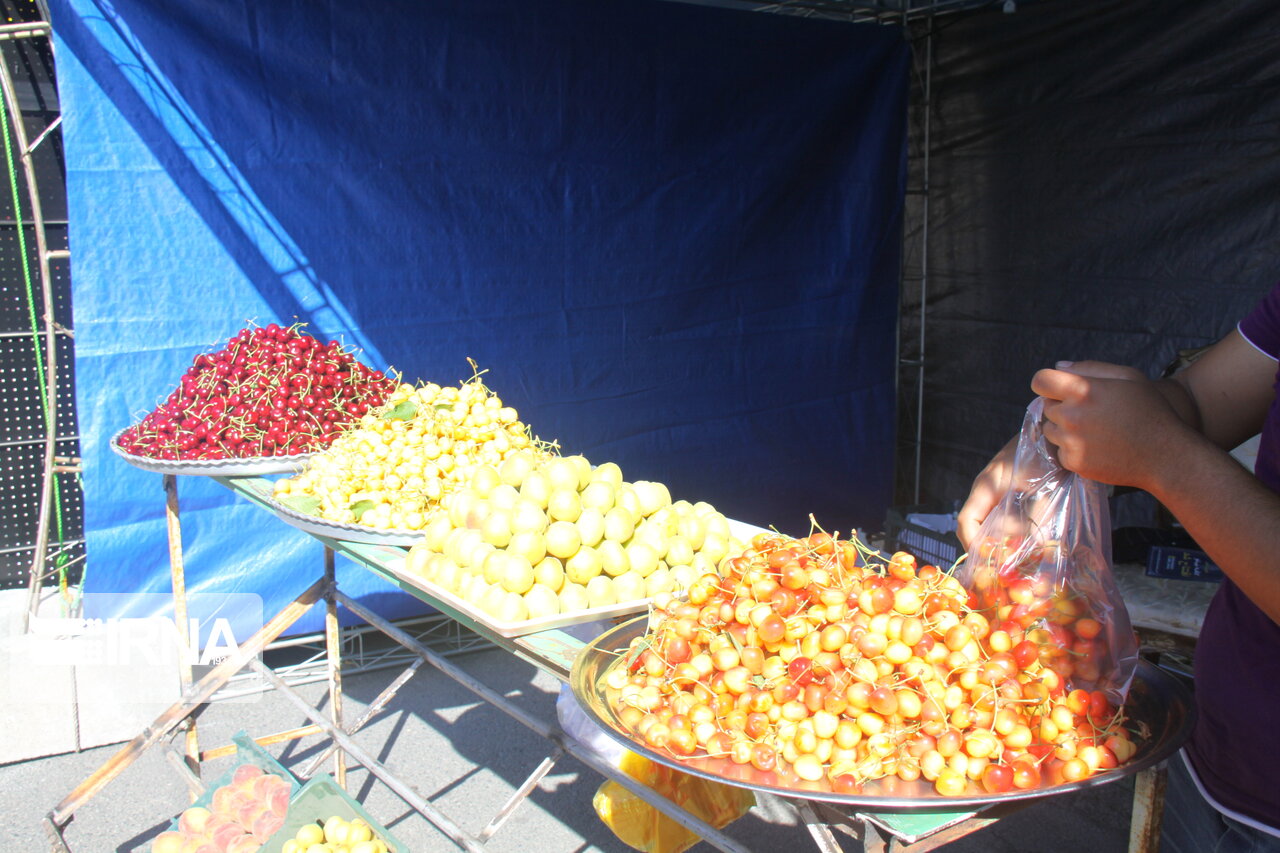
[[640, 825]]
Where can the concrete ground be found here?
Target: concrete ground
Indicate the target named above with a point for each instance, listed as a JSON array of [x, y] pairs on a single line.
[[466, 758]]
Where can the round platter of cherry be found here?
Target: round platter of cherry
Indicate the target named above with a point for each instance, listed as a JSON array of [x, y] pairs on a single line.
[[245, 467]]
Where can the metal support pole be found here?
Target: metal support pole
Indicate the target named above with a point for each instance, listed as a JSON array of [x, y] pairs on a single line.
[[375, 708], [333, 647], [1148, 809], [178, 578]]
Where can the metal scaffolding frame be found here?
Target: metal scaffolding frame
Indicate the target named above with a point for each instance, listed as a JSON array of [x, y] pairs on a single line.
[[52, 464]]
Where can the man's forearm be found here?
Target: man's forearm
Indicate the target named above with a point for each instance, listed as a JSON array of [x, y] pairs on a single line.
[[1230, 514]]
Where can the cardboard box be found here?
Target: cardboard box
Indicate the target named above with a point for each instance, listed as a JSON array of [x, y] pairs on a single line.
[[1188, 564]]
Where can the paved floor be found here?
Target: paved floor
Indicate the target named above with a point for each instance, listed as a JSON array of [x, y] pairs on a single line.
[[466, 758]]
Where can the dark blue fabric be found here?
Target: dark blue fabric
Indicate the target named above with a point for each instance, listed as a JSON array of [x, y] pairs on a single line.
[[670, 233]]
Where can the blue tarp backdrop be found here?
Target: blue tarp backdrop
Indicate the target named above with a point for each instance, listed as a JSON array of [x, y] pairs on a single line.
[[670, 233]]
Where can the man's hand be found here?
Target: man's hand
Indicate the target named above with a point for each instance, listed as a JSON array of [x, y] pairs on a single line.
[[988, 488], [1110, 423]]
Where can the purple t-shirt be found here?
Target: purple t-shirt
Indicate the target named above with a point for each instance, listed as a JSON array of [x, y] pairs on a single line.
[[1235, 747]]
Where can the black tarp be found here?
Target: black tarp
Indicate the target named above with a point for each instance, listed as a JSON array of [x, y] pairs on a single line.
[[1104, 182]]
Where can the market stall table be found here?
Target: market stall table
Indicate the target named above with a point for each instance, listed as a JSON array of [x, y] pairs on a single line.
[[553, 651]]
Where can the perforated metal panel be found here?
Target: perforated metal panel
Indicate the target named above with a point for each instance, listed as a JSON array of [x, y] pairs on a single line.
[[22, 426]]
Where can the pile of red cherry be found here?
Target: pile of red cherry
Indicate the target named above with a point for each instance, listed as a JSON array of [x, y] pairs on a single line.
[[271, 391]]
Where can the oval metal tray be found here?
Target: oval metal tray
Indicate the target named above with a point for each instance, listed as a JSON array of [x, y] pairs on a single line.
[[247, 467], [1158, 706], [344, 532]]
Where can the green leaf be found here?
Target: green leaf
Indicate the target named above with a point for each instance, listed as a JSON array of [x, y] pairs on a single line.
[[402, 411], [737, 644], [633, 654], [305, 504], [359, 508]]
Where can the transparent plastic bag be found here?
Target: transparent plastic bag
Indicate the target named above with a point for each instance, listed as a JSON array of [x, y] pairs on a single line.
[[1040, 566]]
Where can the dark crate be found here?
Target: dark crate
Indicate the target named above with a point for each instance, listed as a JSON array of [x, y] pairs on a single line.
[[928, 546]]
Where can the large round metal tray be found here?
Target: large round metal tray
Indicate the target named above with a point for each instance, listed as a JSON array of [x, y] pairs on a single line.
[[344, 532], [247, 467], [1159, 709]]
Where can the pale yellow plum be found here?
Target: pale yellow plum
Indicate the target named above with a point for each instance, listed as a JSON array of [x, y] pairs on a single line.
[[536, 488], [528, 544], [518, 575], [494, 599], [659, 581], [193, 820], [470, 546], [360, 831], [309, 833], [607, 472], [653, 496], [473, 590], [715, 548], [583, 565], [479, 553], [528, 517], [583, 466], [718, 525], [683, 576], [619, 524], [564, 505], [598, 495], [446, 575], [496, 529], [512, 608], [494, 567], [600, 592], [573, 597], [613, 558], [665, 520], [562, 539], [693, 530], [562, 473], [336, 830], [643, 558], [484, 479], [550, 573], [541, 601], [515, 468], [629, 586], [679, 551], [503, 497], [626, 498], [590, 526], [417, 560], [460, 504], [479, 513], [653, 536]]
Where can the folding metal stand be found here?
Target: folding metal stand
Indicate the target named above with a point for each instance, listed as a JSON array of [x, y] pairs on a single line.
[[551, 651]]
